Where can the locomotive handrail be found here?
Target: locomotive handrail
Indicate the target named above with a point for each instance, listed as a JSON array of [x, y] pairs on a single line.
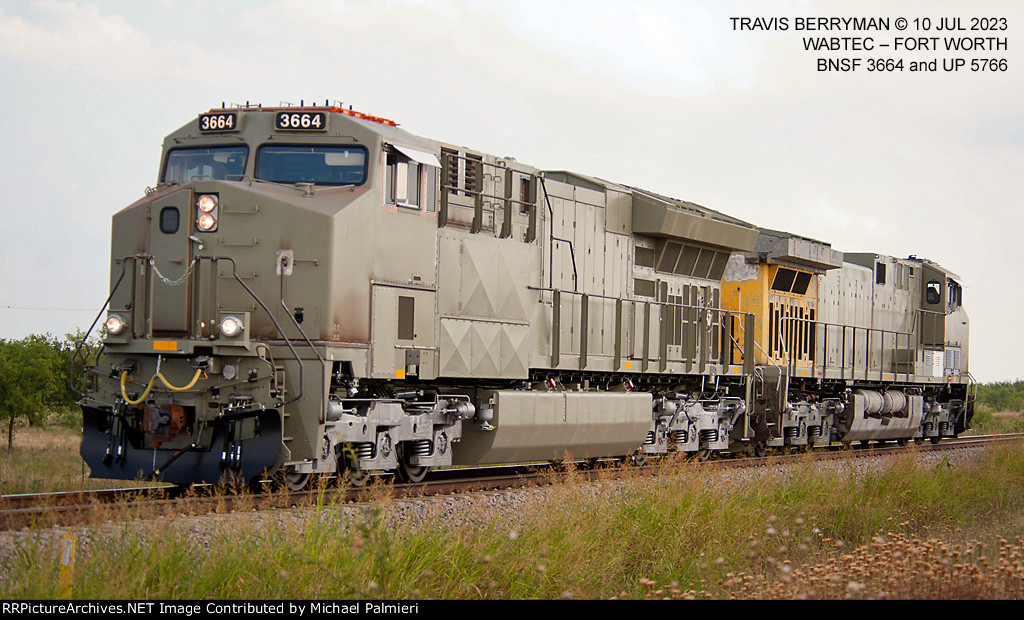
[[479, 195], [74, 356], [922, 311], [720, 313], [756, 344], [765, 353], [790, 362], [303, 186], [553, 238], [323, 364], [287, 341], [642, 301]]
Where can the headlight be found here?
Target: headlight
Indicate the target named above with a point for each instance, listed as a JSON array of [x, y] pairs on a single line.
[[207, 203], [206, 214], [230, 326], [115, 324], [206, 222]]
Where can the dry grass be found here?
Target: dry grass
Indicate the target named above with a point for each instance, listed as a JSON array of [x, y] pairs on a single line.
[[988, 420], [811, 531], [46, 459], [893, 566], [42, 460]]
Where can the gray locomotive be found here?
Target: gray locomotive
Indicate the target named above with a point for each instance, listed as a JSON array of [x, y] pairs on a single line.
[[311, 290]]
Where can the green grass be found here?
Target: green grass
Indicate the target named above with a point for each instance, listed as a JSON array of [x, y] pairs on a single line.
[[990, 421], [678, 535]]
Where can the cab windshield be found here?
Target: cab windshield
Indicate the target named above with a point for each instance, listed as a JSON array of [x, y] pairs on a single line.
[[322, 165], [215, 163]]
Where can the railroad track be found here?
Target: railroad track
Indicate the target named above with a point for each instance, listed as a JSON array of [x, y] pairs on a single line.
[[74, 508]]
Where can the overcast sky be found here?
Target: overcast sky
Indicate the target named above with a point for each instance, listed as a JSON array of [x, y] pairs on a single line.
[[662, 95]]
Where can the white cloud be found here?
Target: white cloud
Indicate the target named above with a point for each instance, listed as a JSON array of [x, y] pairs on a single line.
[[82, 39], [77, 37]]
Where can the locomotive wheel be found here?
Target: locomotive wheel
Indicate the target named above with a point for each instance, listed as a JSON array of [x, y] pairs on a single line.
[[351, 474], [411, 473], [355, 477], [348, 470], [935, 440], [295, 481]]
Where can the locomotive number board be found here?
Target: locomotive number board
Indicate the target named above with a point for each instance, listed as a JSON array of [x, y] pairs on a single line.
[[301, 121], [218, 121]]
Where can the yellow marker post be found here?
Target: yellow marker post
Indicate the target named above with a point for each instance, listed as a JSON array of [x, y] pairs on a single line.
[[67, 567]]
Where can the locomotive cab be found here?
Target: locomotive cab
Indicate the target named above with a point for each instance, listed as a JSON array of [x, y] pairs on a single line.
[[224, 297]]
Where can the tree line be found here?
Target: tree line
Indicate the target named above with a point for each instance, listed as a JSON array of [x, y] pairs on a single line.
[[34, 374], [1002, 395]]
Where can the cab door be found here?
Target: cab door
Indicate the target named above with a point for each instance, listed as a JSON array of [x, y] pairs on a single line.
[[933, 306]]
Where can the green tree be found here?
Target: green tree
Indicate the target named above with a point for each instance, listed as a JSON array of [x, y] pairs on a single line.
[[89, 354], [1002, 395], [32, 380]]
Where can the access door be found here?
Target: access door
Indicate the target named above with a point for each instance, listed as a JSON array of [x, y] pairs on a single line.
[[402, 331], [170, 223]]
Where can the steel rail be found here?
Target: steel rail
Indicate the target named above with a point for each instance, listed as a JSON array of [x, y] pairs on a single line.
[[70, 508]]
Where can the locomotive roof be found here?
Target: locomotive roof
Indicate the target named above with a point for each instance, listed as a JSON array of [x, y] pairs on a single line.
[[389, 132], [867, 259], [777, 246], [692, 206]]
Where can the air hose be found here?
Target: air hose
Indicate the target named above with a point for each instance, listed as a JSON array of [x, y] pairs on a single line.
[[149, 387]]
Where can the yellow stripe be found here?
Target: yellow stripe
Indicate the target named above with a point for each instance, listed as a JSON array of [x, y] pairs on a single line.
[[399, 373], [165, 345]]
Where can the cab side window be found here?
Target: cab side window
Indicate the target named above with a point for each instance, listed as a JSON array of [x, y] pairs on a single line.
[[404, 181]]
